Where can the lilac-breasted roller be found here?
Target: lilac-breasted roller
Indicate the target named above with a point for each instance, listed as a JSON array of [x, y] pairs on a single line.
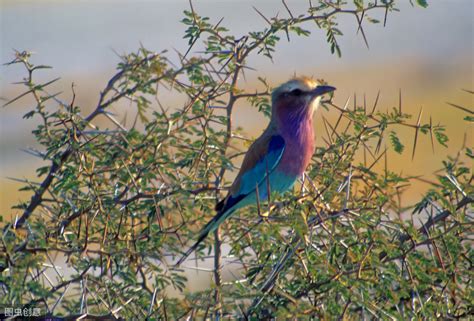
[[279, 156]]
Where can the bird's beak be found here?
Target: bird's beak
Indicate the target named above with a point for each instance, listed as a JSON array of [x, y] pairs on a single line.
[[321, 90]]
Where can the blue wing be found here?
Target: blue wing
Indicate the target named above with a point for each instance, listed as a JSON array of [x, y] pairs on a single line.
[[259, 162]]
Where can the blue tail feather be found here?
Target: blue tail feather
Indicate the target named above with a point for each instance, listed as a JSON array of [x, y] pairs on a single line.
[[210, 227]]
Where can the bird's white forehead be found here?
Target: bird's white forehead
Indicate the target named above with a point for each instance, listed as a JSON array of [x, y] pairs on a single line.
[[304, 84]]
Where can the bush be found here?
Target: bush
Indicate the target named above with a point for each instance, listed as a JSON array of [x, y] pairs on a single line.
[[116, 207]]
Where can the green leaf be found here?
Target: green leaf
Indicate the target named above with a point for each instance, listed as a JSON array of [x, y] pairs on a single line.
[[469, 118], [359, 4], [469, 153], [29, 114], [397, 145], [422, 3], [441, 136], [372, 20]]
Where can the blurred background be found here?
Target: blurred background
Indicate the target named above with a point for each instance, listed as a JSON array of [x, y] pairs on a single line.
[[425, 53]]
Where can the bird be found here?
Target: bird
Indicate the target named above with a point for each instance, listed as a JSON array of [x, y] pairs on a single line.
[[278, 157]]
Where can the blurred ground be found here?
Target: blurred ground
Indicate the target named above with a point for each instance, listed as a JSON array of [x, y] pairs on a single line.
[[427, 53]]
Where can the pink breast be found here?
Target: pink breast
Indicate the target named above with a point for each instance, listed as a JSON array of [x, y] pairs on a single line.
[[299, 148]]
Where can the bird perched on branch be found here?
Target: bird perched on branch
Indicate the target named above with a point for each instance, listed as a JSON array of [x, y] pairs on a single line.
[[278, 157]]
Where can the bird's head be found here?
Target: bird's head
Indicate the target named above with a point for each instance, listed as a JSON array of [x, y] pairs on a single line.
[[298, 97]]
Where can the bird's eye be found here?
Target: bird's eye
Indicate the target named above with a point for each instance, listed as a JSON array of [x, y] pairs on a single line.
[[296, 92]]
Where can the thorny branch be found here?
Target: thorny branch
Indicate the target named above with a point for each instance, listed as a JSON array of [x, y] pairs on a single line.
[[119, 204]]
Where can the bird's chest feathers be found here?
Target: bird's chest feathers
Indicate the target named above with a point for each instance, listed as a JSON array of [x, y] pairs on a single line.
[[299, 145]]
